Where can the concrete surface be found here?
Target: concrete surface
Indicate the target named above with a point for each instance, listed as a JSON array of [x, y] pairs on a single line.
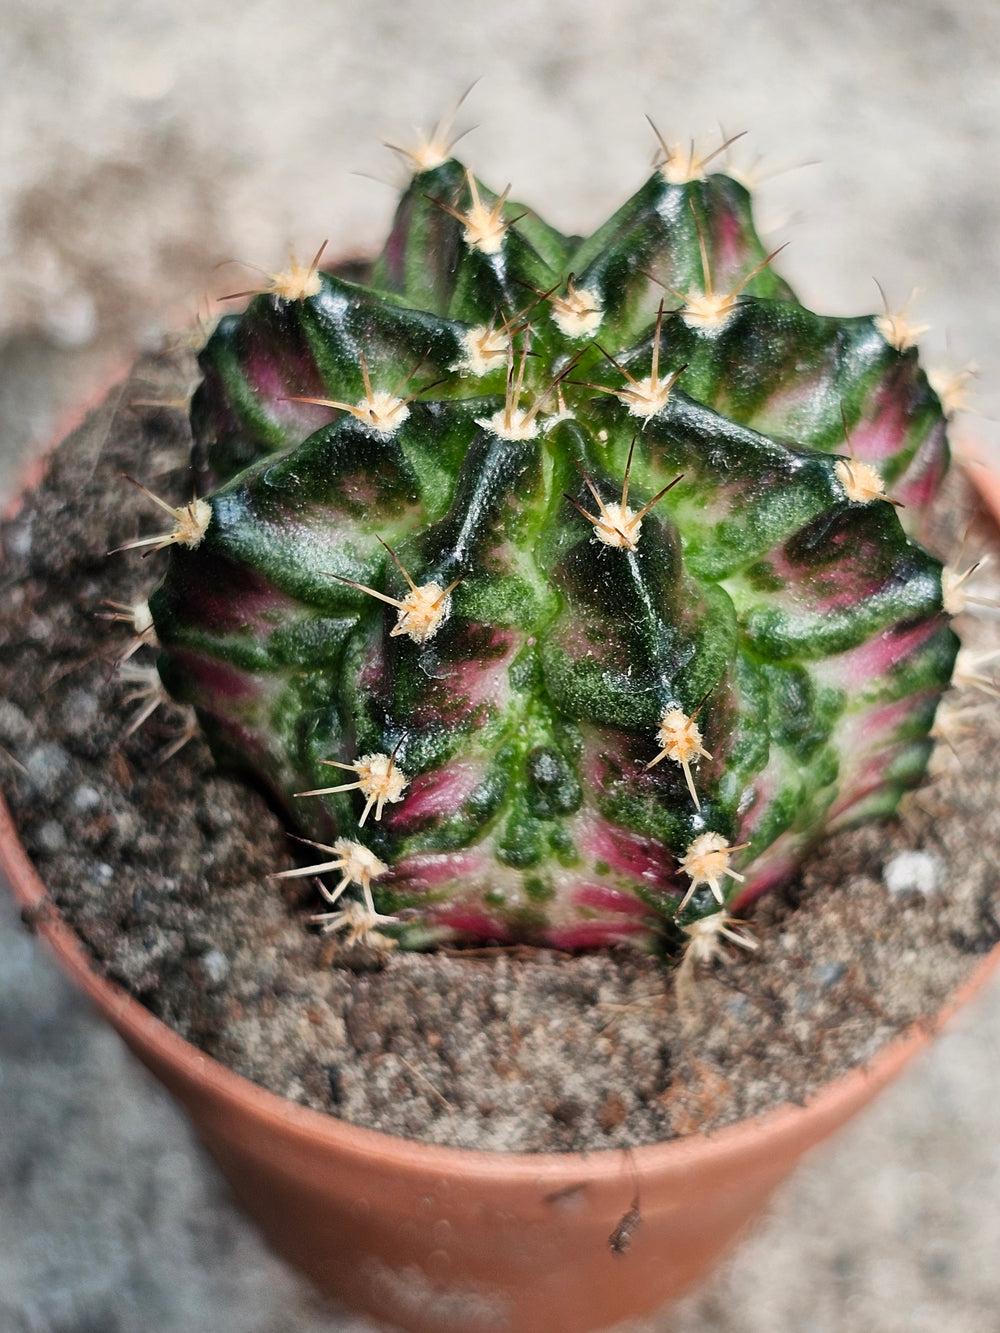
[[140, 146]]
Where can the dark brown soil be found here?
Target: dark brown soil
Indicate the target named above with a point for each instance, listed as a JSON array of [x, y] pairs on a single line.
[[162, 866]]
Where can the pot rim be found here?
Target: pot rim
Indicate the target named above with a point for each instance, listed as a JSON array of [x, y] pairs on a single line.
[[978, 466], [270, 1109]]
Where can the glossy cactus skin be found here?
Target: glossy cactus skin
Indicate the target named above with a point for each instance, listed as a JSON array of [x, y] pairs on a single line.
[[503, 381]]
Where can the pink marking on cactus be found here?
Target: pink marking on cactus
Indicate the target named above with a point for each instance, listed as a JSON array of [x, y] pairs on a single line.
[[471, 923], [219, 680], [921, 481], [217, 396], [871, 728], [595, 934], [279, 386], [425, 871], [839, 589], [373, 669], [360, 488], [575, 639], [394, 254], [602, 898], [782, 863], [729, 247], [266, 379], [630, 855], [882, 430], [434, 796], [869, 777], [484, 679], [608, 756], [256, 611], [475, 684], [859, 666], [270, 380], [235, 702], [919, 493], [870, 742], [844, 598], [765, 785]]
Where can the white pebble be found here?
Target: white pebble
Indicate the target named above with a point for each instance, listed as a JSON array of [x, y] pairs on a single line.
[[15, 726], [215, 966], [913, 872], [46, 766], [50, 837], [85, 798]]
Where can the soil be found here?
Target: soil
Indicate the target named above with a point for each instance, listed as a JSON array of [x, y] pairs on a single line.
[[162, 865]]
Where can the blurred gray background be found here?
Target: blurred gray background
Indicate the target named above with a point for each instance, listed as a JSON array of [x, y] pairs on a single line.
[[140, 146]]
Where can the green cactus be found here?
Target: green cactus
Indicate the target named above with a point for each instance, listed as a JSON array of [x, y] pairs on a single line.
[[550, 584]]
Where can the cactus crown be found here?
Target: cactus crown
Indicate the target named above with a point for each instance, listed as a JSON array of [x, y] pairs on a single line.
[[552, 583]]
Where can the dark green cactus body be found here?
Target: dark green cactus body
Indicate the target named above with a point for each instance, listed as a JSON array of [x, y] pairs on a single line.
[[792, 616]]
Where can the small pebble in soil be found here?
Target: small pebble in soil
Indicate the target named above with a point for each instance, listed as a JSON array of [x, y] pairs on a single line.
[[215, 966], [46, 766], [50, 837], [79, 713], [913, 872], [84, 798], [828, 974], [15, 726]]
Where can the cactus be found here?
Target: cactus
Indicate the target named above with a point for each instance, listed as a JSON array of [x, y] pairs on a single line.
[[552, 586]]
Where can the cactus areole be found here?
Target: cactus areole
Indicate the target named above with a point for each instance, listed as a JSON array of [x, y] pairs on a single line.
[[561, 591]]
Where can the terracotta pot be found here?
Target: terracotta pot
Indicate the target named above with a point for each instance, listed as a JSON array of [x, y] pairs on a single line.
[[979, 466], [431, 1238]]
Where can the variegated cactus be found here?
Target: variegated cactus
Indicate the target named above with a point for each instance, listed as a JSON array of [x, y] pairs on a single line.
[[551, 585]]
